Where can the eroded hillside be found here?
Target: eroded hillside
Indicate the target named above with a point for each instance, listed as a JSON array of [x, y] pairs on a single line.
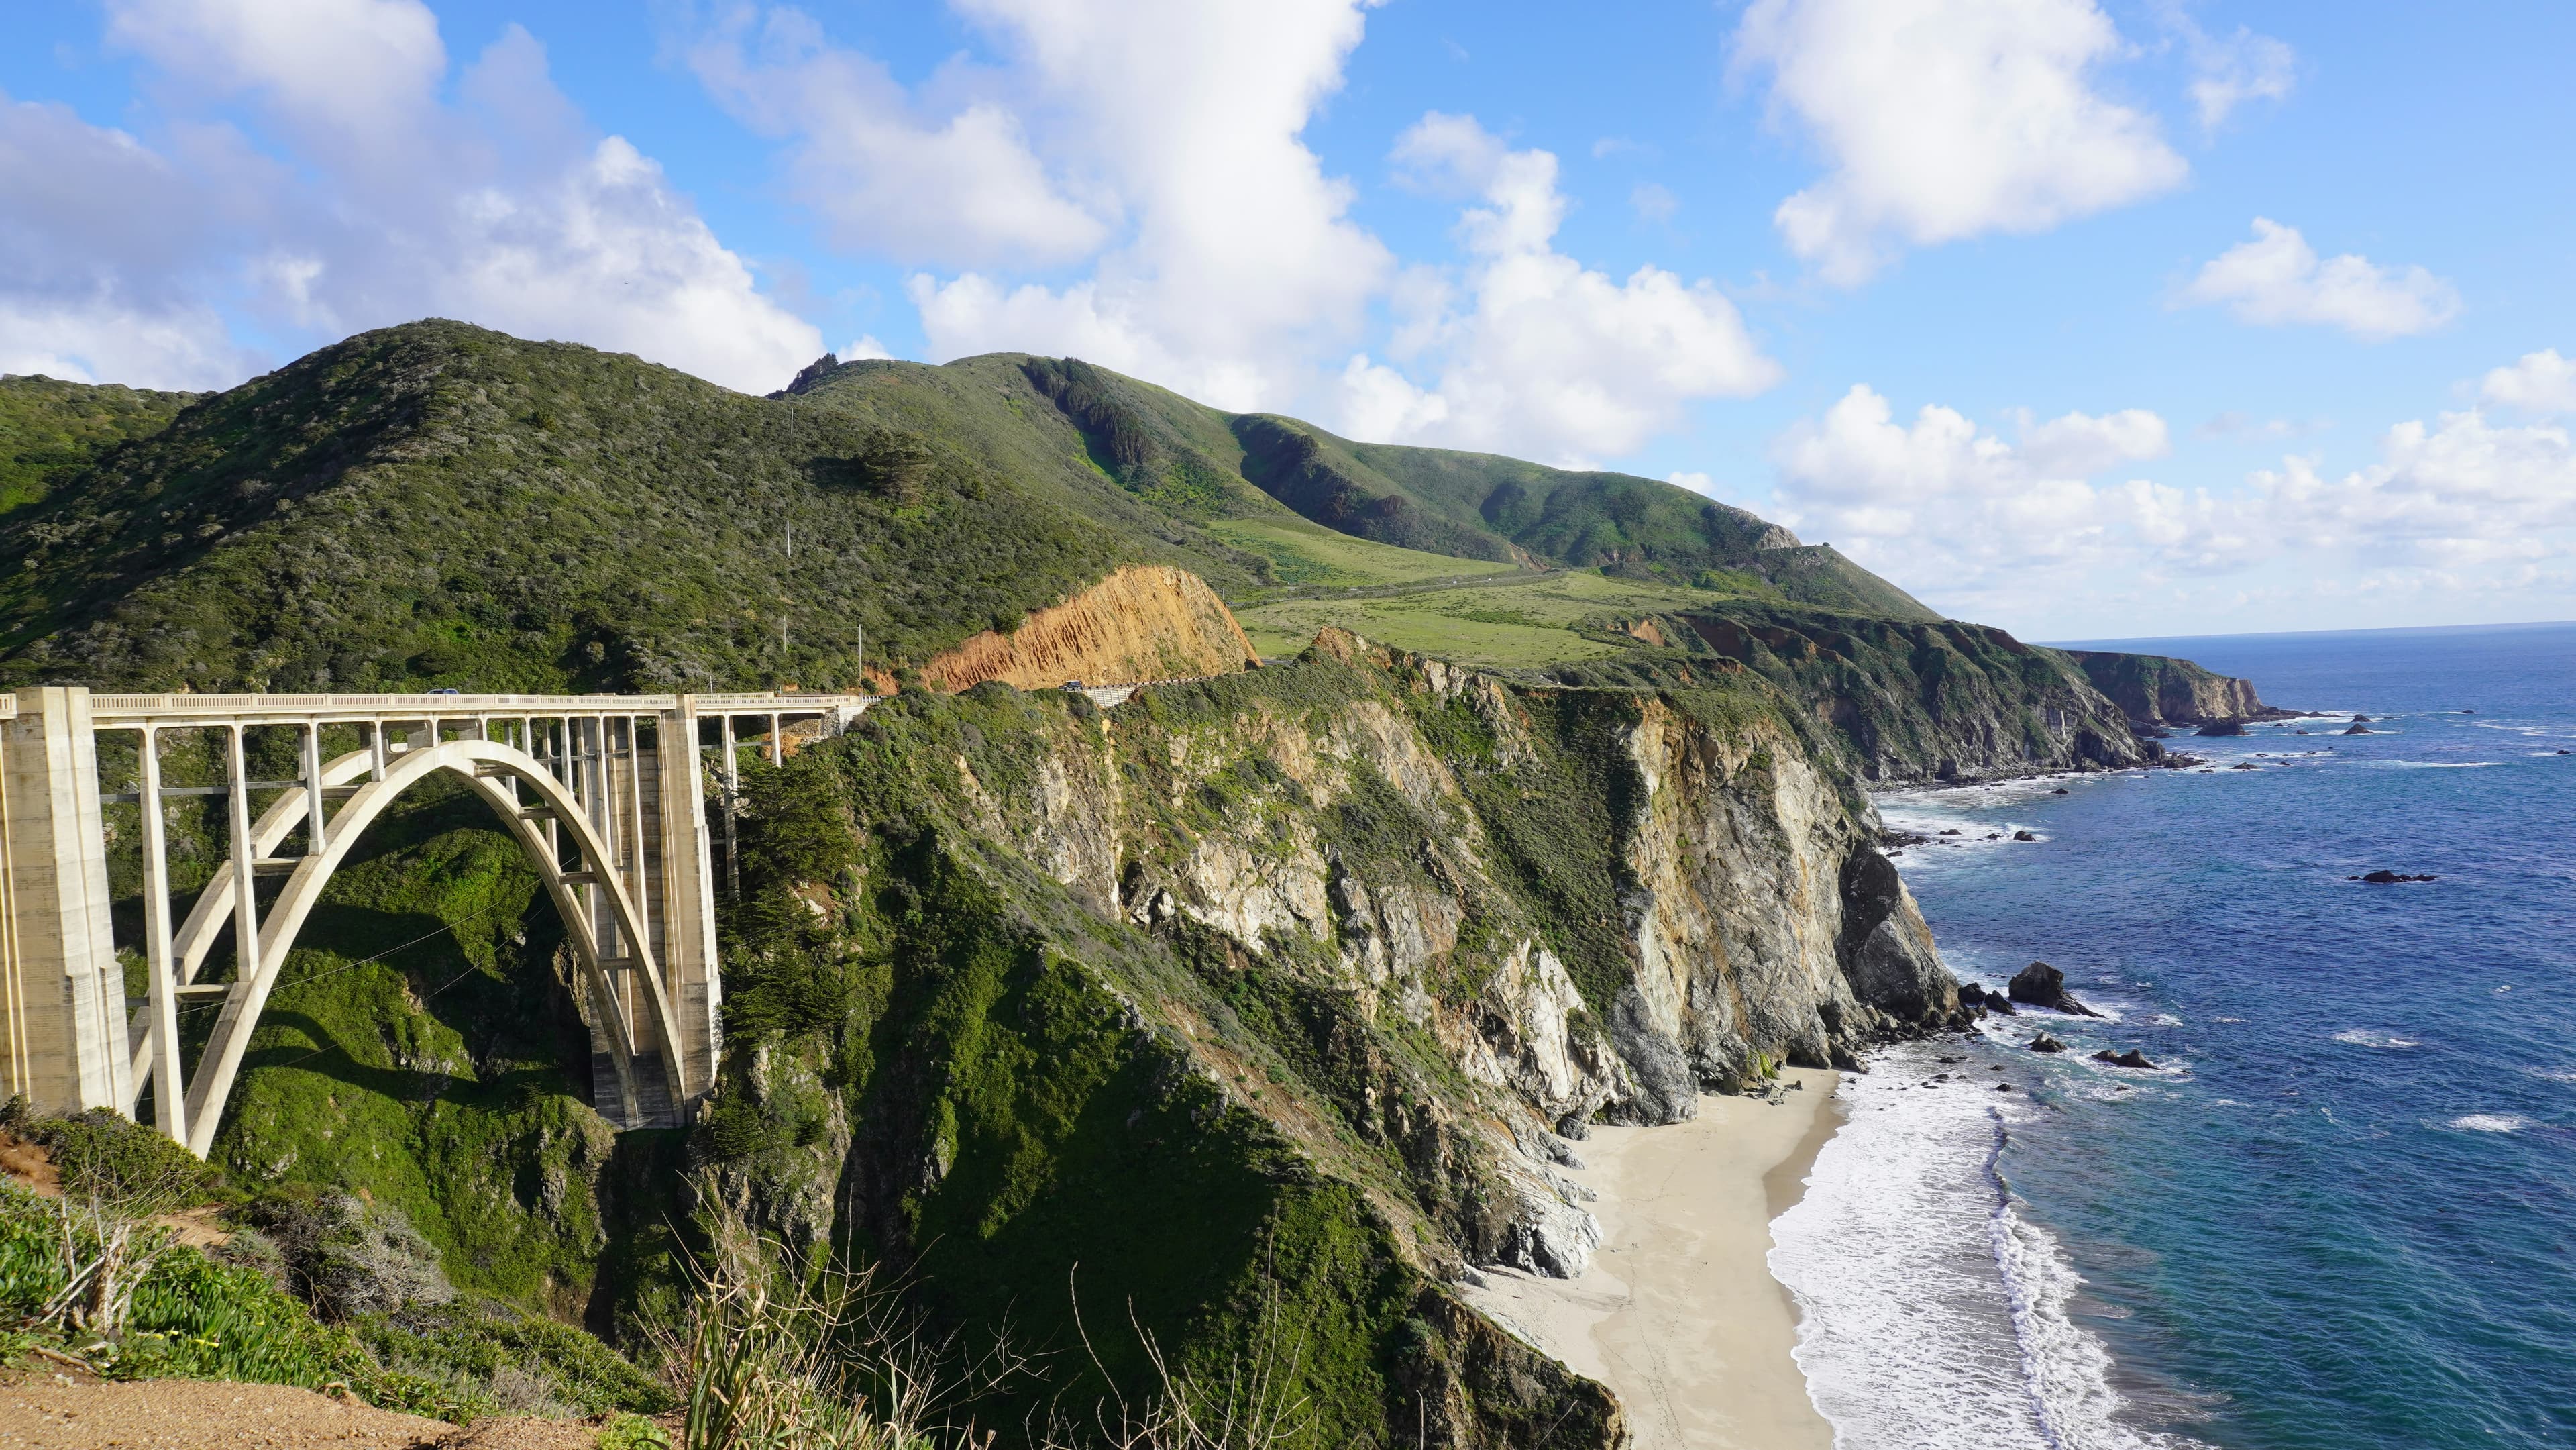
[[1283, 983]]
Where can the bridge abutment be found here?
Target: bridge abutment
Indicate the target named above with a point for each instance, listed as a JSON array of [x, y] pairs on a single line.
[[62, 988]]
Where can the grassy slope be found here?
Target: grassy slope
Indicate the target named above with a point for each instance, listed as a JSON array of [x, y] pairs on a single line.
[[439, 505], [50, 430], [1508, 624], [1203, 463], [1306, 554], [436, 504]]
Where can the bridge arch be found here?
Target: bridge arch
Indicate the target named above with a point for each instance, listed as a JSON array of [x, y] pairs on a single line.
[[604, 793], [496, 772]]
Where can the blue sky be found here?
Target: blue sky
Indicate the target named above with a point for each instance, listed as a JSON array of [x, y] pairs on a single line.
[[2082, 318]]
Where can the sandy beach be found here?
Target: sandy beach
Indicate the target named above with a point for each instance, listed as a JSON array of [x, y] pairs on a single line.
[[1678, 1312]]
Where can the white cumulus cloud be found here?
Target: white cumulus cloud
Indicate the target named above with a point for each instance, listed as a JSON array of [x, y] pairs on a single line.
[[110, 248], [1226, 262], [2460, 493], [1533, 352], [950, 176], [1983, 526], [2536, 382], [2049, 532], [1947, 119], [372, 199], [2277, 278]]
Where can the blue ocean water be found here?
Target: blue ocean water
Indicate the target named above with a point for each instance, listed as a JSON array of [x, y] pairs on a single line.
[[2342, 1211]]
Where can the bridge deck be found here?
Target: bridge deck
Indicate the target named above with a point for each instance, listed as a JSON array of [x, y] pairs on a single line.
[[302, 709]]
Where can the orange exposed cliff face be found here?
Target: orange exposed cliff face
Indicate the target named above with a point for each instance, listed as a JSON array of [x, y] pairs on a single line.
[[1145, 622]]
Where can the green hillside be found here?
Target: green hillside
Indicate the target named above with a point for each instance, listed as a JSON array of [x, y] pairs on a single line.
[[50, 430], [438, 505], [1204, 464]]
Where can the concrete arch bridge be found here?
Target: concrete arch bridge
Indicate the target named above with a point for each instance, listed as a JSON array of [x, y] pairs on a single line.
[[605, 794]]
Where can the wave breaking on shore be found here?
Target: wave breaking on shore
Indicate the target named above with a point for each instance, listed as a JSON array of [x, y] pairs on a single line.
[[1934, 1314]]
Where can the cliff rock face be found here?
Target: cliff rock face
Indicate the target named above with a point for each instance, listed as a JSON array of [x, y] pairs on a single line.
[[2159, 690], [1917, 701], [1144, 622], [1273, 989]]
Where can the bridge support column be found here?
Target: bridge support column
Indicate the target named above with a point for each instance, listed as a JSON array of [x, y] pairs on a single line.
[[684, 898], [62, 989]]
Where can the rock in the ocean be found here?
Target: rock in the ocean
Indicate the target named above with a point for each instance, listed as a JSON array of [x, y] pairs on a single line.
[[2042, 985], [2045, 1043], [2003, 1087], [2389, 878], [2221, 727], [2359, 718], [2130, 1058], [2356, 728], [1974, 995], [2061, 790], [2024, 836]]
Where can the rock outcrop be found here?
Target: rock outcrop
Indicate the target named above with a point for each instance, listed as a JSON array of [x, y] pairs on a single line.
[[2161, 690], [1923, 700], [1144, 622], [2041, 985]]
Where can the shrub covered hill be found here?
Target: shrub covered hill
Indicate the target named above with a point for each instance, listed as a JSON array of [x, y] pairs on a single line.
[[1229, 1029]]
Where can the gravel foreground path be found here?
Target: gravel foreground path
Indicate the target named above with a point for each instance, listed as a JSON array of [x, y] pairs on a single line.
[[64, 1414]]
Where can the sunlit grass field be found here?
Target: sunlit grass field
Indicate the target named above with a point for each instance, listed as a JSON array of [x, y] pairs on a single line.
[[1503, 624]]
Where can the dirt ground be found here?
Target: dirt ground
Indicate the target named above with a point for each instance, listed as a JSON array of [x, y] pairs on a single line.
[[64, 1412]]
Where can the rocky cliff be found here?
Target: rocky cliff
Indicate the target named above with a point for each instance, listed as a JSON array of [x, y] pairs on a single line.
[[1143, 622], [1907, 700], [1262, 1000], [2159, 690]]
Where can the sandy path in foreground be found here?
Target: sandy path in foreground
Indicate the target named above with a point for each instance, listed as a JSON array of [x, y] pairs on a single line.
[[44, 1411], [1678, 1313]]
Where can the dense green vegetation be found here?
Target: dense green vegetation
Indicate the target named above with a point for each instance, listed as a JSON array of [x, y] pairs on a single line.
[[439, 505], [95, 1275], [51, 430]]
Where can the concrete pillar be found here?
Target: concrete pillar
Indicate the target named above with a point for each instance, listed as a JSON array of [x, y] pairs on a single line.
[[67, 1045], [686, 892], [170, 1098]]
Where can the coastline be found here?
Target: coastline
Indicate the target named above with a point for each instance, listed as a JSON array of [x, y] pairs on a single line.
[[1678, 1312]]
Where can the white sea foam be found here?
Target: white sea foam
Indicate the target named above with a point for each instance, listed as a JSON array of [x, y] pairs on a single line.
[[2491, 1122], [1933, 1314], [2362, 1037]]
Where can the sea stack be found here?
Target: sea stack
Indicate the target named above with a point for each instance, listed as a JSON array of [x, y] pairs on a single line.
[[2042, 985]]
